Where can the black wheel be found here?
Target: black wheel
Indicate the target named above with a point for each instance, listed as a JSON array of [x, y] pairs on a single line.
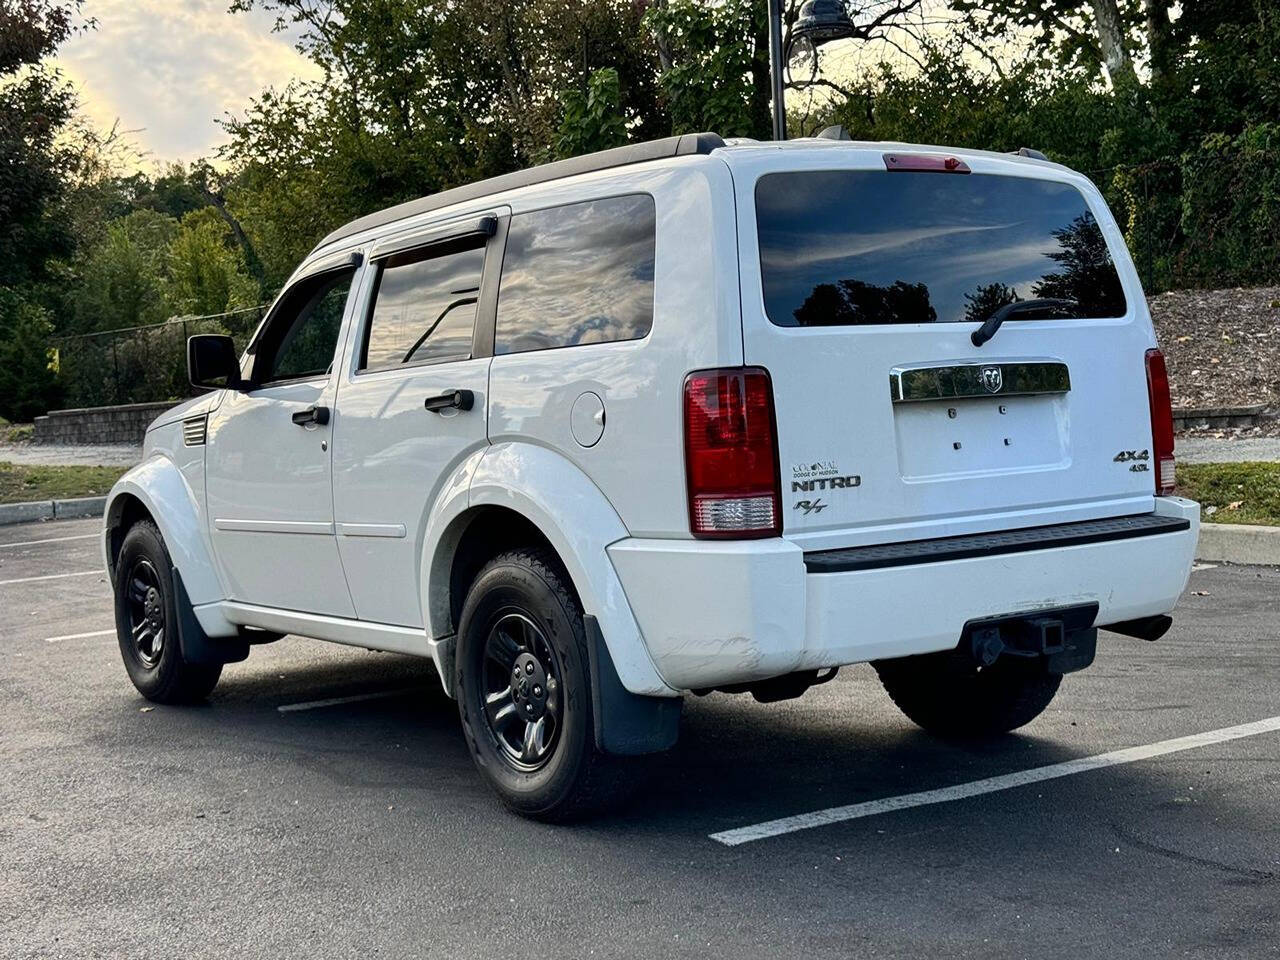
[[523, 690], [146, 622], [950, 695]]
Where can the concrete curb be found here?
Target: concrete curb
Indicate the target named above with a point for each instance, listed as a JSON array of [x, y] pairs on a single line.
[[51, 510], [1239, 543]]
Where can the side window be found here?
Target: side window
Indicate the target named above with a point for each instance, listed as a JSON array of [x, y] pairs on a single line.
[[581, 273], [424, 307], [302, 338]]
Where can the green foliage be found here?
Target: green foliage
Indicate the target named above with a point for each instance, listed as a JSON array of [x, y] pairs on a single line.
[[717, 52], [592, 120], [35, 107], [205, 275], [1231, 209], [27, 385], [122, 277]]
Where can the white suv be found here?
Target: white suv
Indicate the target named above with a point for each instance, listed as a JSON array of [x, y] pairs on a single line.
[[682, 416]]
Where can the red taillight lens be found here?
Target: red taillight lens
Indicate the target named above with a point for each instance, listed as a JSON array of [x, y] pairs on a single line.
[[1161, 422], [923, 163], [731, 454]]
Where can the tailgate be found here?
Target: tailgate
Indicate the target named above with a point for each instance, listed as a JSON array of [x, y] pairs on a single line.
[[860, 291]]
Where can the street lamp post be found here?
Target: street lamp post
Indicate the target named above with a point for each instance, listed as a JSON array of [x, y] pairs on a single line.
[[819, 22], [775, 69]]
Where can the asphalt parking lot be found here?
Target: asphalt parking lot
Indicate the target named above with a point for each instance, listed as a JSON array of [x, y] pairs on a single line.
[[322, 804]]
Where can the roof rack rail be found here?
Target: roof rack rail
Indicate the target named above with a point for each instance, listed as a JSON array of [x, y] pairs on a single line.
[[1028, 152], [683, 145]]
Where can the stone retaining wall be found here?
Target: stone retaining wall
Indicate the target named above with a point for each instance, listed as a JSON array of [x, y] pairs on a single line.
[[1185, 418], [98, 425]]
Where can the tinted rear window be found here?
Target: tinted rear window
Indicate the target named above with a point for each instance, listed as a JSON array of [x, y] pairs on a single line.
[[859, 247]]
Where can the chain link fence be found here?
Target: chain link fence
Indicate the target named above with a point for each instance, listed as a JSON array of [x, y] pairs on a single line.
[[139, 364]]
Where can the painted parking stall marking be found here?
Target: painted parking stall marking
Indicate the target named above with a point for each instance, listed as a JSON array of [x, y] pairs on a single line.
[[52, 576], [854, 811], [337, 701], [36, 543], [82, 636]]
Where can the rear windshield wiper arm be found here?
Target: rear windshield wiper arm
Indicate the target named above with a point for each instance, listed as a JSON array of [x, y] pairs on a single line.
[[992, 323]]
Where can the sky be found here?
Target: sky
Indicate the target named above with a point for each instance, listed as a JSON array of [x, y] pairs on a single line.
[[168, 69]]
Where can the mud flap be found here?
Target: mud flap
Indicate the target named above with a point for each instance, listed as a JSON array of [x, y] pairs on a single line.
[[196, 645], [626, 724]]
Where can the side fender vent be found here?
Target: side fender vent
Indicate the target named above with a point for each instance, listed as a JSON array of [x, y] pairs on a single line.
[[195, 430]]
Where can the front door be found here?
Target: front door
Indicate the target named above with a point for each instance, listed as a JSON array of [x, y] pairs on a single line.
[[411, 406], [268, 462]]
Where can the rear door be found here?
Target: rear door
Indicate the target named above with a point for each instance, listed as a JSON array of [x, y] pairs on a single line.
[[861, 288]]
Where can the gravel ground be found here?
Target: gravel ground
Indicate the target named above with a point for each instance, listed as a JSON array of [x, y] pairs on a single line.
[[1198, 449], [1222, 346], [53, 455]]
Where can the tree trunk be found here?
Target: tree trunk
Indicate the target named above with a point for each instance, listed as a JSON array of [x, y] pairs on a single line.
[[1115, 54], [251, 261], [1158, 40], [662, 41]]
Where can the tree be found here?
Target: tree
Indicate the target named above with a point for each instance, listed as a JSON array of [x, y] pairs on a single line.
[[122, 278], [1087, 275], [718, 78], [592, 121], [35, 106], [987, 299], [205, 275], [1095, 33]]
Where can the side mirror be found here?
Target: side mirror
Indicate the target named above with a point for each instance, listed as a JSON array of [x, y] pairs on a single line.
[[212, 362]]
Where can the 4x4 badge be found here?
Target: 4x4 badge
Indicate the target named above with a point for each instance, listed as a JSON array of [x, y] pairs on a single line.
[[992, 379]]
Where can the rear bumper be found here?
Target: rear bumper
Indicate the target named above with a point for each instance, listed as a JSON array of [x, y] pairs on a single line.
[[719, 613]]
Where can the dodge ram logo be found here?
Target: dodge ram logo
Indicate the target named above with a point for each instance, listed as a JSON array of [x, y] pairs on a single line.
[[992, 379]]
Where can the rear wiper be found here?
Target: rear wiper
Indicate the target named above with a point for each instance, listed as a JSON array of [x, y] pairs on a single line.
[[992, 323]]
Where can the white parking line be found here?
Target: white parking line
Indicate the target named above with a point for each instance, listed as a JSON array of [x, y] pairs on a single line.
[[820, 818], [81, 636], [32, 543], [54, 576], [335, 701]]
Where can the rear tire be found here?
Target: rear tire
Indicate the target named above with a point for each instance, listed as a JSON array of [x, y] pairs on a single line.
[[523, 683], [949, 695], [147, 622]]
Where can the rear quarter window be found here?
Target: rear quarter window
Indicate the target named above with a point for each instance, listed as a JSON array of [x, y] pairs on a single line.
[[869, 247], [578, 273]]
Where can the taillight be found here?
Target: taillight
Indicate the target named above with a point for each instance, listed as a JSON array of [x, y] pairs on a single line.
[[923, 163], [731, 454], [1161, 422]]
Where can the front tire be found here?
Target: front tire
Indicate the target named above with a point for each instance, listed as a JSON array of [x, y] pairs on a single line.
[[524, 696], [949, 695], [147, 622]]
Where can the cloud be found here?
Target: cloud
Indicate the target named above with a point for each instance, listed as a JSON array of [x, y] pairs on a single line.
[[169, 69]]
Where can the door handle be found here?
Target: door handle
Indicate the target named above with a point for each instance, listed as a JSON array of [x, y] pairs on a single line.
[[312, 415], [451, 400]]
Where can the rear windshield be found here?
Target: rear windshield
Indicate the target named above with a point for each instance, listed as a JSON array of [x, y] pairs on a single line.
[[858, 247]]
